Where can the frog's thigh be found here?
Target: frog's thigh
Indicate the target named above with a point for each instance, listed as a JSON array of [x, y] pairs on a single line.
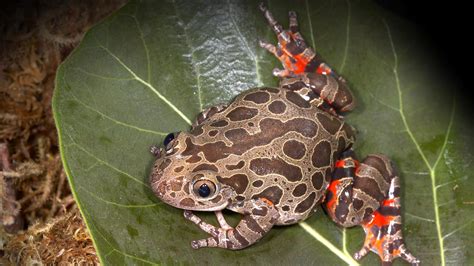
[[369, 194], [332, 90], [356, 190]]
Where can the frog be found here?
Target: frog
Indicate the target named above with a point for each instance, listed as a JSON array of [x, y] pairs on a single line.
[[274, 155]]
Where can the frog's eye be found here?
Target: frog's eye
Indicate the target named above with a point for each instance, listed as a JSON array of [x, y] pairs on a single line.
[[204, 188], [168, 139]]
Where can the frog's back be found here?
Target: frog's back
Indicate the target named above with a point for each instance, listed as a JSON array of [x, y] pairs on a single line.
[[276, 145]]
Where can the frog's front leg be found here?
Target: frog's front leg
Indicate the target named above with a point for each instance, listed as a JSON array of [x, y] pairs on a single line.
[[368, 194], [260, 218]]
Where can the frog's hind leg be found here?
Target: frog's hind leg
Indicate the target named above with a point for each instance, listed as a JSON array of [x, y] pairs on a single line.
[[368, 194], [334, 93]]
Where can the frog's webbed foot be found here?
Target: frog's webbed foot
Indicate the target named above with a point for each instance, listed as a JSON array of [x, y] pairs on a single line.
[[251, 228], [383, 234], [384, 238], [305, 70], [292, 50], [221, 237]]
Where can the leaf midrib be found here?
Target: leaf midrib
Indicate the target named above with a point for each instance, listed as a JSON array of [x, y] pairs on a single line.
[[432, 169]]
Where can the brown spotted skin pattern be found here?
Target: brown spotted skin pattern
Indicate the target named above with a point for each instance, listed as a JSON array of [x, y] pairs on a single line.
[[268, 143], [274, 154]]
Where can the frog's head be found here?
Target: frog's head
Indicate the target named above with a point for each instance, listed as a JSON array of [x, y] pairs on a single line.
[[180, 181]]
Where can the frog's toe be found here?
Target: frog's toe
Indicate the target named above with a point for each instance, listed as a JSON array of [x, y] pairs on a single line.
[[361, 253], [196, 244], [281, 73], [384, 237], [268, 46], [223, 239], [406, 255], [188, 214]]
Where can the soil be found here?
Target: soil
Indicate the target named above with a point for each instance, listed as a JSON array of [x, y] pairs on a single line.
[[41, 223]]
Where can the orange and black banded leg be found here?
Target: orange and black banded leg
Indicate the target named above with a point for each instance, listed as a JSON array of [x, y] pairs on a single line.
[[253, 226], [334, 93], [302, 59], [303, 67], [368, 194]]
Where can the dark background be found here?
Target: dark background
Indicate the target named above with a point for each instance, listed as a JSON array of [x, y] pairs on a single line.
[[448, 27]]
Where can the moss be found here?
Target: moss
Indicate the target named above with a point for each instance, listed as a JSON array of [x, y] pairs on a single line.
[[36, 36], [62, 240]]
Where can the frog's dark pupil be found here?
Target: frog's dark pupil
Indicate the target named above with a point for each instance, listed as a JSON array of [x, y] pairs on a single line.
[[168, 139], [204, 190]]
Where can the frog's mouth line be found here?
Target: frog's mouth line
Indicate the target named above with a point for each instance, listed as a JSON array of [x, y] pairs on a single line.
[[204, 205], [216, 208]]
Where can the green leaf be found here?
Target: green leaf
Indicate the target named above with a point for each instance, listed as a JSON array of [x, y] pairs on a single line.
[[152, 66]]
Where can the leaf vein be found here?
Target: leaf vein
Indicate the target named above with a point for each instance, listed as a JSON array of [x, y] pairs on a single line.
[[145, 46], [451, 182], [419, 217], [346, 46], [448, 132], [344, 242], [341, 254], [310, 25], [99, 76], [163, 98], [458, 229], [446, 203], [384, 103], [118, 122]]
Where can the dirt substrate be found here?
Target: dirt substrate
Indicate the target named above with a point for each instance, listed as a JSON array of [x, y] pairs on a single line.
[[41, 223]]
